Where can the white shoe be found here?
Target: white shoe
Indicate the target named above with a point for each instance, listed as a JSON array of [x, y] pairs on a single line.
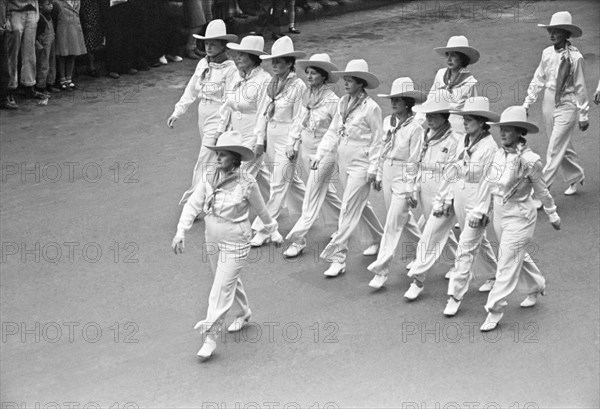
[[335, 269], [491, 322], [537, 203], [203, 326], [571, 190], [451, 307], [409, 265], [294, 250], [448, 274], [209, 346], [372, 250], [163, 60], [413, 291], [487, 286], [174, 58], [259, 239], [378, 281], [531, 299], [240, 323]]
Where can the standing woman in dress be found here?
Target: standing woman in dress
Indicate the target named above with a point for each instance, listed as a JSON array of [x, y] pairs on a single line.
[[319, 105], [279, 105], [69, 41], [456, 80], [225, 200], [397, 172], [357, 129], [214, 74], [514, 173]]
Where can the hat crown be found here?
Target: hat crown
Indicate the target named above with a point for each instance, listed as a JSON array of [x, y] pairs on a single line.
[[283, 45], [256, 43], [216, 28], [515, 113], [357, 65], [458, 41], [402, 85], [476, 104], [230, 138], [561, 17], [320, 58]]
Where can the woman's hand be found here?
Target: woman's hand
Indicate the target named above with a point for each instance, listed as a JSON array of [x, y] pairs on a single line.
[[583, 125], [371, 178], [259, 149], [314, 163], [412, 200], [171, 121], [277, 238], [291, 153], [475, 223], [178, 244], [377, 185]]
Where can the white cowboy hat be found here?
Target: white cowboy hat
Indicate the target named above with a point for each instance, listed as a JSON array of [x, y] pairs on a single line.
[[516, 116], [564, 21], [232, 141], [405, 87], [479, 106], [459, 44], [283, 47], [323, 62], [359, 69], [216, 30], [249, 44], [437, 103]]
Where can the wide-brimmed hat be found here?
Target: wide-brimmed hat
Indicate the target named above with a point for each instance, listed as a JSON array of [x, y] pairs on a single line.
[[437, 103], [405, 87], [321, 61], [459, 44], [479, 106], [564, 21], [216, 30], [359, 69], [516, 116], [283, 47], [232, 141], [249, 44]]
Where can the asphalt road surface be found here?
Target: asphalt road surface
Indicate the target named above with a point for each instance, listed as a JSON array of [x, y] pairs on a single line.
[[97, 311]]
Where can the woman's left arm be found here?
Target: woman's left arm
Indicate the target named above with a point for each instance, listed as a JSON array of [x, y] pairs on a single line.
[[583, 104], [540, 190], [258, 204], [375, 121]]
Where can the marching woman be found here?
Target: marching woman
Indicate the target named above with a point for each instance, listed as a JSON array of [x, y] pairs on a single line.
[[397, 172], [437, 154], [319, 104], [357, 129], [514, 172], [213, 75], [456, 80], [239, 111], [561, 73], [224, 201], [279, 105]]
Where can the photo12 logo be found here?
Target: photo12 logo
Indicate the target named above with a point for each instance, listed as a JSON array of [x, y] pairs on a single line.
[[69, 172]]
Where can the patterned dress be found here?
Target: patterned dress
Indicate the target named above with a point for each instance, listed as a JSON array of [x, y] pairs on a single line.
[[91, 24]]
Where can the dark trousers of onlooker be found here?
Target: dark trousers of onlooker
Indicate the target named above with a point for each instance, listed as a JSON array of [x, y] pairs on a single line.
[[46, 59], [120, 49]]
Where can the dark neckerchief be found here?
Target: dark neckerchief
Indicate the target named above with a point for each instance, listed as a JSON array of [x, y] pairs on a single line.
[[463, 74], [437, 135]]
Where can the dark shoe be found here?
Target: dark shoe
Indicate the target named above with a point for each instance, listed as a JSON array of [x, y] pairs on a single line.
[[9, 103], [52, 89], [294, 30], [191, 55], [155, 64], [307, 7], [241, 15], [132, 71], [113, 75], [93, 73], [31, 93], [276, 36]]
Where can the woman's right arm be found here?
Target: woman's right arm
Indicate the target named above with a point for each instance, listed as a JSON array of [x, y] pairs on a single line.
[[189, 95], [258, 204]]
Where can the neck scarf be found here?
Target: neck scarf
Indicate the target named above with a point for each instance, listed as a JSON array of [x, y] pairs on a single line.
[[312, 99], [219, 180], [471, 141], [348, 108], [244, 78], [437, 135], [463, 74], [564, 72], [395, 124], [219, 58], [520, 168], [275, 88]]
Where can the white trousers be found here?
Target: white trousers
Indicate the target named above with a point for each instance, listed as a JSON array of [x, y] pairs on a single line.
[[399, 220], [514, 223], [208, 122], [281, 173], [227, 246], [561, 122], [354, 163]]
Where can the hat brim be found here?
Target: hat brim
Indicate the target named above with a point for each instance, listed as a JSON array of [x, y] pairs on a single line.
[[418, 96], [571, 28], [238, 48], [470, 52], [491, 116], [423, 109], [295, 54], [225, 37], [246, 153], [324, 65], [531, 128], [371, 79]]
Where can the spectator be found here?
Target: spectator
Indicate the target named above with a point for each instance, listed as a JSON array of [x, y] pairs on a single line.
[[45, 49], [193, 14], [273, 18], [93, 35], [69, 41], [5, 103], [117, 15]]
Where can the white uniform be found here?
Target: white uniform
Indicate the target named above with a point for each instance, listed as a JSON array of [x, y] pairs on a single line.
[[398, 170], [207, 85], [277, 168], [435, 155], [321, 195], [509, 183], [560, 117], [228, 233], [359, 142]]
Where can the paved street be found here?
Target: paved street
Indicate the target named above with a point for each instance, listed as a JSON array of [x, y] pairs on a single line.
[[96, 309]]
